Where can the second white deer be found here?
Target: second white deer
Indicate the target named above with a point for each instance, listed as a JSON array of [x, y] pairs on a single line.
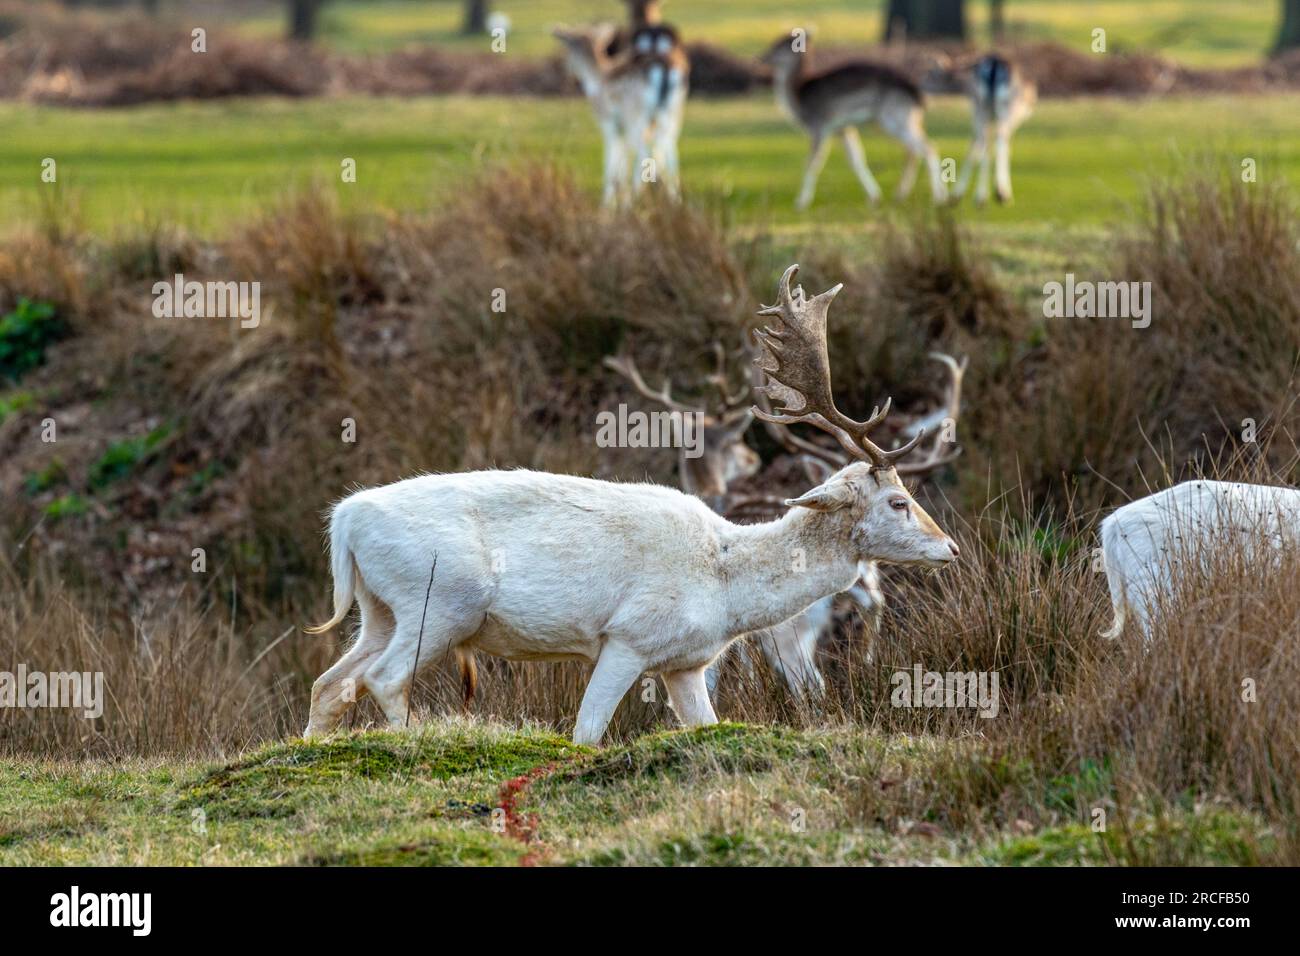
[[1147, 544]]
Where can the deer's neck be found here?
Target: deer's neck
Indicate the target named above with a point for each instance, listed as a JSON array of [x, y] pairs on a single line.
[[591, 74], [648, 15], [770, 572], [785, 81]]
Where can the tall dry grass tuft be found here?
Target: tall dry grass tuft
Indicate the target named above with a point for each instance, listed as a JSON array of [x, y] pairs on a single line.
[[1220, 354], [185, 681], [49, 261], [1223, 258], [526, 252], [1207, 707]]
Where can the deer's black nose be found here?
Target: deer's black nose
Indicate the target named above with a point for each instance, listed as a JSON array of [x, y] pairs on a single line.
[[952, 546]]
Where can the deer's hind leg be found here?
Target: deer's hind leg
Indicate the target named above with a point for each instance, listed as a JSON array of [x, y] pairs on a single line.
[[688, 696], [812, 169], [1003, 163], [909, 129], [858, 160], [342, 686], [456, 607]]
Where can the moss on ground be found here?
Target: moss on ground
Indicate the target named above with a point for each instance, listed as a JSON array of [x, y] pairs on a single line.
[[718, 796]]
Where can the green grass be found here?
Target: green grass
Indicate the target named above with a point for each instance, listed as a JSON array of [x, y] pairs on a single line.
[[1201, 32], [728, 794], [1079, 164]]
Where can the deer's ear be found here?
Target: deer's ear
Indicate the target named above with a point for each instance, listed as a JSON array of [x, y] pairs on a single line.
[[830, 496], [738, 424], [816, 469]]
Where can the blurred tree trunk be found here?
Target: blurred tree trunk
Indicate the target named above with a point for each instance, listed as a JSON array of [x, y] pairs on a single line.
[[476, 13], [997, 20], [302, 19], [1288, 35], [925, 20]]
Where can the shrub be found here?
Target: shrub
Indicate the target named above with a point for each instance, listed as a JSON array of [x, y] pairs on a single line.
[[25, 334], [121, 458]]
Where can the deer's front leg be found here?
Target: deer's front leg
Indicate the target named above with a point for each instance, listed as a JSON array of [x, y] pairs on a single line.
[[816, 160], [688, 696], [1003, 160], [616, 669], [977, 146], [615, 163]]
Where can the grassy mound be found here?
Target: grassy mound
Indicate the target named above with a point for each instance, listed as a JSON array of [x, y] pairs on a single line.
[[457, 793]]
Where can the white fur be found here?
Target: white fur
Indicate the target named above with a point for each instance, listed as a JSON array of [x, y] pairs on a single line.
[[635, 577], [1145, 541], [790, 648]]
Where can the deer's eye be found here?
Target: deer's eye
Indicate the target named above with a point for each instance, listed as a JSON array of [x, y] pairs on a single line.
[[898, 504]]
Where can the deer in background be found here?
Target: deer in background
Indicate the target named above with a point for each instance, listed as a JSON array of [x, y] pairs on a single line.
[[837, 101], [1145, 541], [637, 578], [723, 456], [1001, 99], [638, 96]]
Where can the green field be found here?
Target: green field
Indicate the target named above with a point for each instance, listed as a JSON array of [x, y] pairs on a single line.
[[480, 794], [1200, 32], [1079, 164]]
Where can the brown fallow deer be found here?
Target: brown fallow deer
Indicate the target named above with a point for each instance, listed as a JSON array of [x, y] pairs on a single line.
[[835, 102]]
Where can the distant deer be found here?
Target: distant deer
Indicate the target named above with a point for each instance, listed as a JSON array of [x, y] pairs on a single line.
[[635, 577], [723, 455], [837, 101], [1001, 98], [1146, 542], [638, 96]]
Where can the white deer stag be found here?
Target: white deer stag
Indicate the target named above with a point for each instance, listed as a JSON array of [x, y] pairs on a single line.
[[638, 578], [1147, 542]]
